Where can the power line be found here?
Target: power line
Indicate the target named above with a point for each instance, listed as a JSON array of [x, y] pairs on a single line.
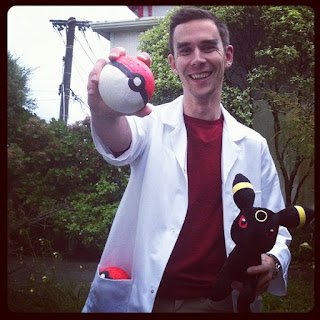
[[103, 49], [76, 64], [76, 38], [85, 38]]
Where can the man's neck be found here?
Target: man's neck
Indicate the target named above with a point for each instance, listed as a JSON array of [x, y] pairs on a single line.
[[202, 109]]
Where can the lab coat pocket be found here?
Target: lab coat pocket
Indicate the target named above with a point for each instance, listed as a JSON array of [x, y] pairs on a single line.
[[108, 295]]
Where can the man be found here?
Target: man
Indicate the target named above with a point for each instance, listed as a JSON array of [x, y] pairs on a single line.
[[171, 233]]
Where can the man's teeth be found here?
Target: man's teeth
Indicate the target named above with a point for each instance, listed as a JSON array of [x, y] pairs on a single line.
[[200, 75]]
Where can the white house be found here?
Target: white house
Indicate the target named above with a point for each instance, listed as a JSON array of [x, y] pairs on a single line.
[[126, 33]]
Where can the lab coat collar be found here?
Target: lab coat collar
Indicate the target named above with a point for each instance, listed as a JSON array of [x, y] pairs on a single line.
[[236, 131], [174, 113], [174, 118]]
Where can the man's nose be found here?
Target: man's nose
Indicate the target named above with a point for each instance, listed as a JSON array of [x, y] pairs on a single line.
[[198, 57]]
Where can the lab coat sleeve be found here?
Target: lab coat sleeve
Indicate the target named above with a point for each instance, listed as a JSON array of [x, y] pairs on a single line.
[[139, 130], [272, 199]]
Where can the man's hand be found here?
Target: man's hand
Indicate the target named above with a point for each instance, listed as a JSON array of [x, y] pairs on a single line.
[[111, 126], [264, 271]]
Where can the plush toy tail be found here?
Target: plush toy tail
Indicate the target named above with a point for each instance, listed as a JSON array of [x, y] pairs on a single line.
[[243, 193], [295, 216]]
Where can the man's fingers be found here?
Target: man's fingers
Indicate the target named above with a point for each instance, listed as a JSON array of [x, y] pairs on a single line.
[[257, 269], [145, 57], [117, 52], [237, 285], [144, 111], [95, 72]]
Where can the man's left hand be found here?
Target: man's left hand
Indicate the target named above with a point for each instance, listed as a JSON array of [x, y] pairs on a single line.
[[264, 271]]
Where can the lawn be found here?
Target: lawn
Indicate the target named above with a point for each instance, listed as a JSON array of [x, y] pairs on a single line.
[[45, 288]]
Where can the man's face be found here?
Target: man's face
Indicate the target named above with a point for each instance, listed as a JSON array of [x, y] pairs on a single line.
[[199, 58]]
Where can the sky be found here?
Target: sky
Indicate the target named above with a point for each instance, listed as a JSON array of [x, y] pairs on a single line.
[[39, 46]]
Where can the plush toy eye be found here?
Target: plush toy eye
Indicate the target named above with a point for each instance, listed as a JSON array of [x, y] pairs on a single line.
[[243, 222], [271, 233], [261, 216]]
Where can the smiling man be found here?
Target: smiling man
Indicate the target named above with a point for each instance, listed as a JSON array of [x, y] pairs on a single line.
[[171, 233]]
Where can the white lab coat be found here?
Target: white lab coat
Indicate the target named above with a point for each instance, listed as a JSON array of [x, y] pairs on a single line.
[[154, 205]]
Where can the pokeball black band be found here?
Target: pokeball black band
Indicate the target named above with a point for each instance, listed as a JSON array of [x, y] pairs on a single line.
[[141, 88]]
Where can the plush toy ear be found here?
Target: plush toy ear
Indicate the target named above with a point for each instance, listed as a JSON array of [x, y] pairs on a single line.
[[295, 216], [243, 193]]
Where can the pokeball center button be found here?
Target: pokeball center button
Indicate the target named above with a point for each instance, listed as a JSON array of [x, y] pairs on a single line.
[[137, 81]]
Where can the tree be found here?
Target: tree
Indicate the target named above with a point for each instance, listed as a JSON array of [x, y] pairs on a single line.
[[59, 187], [273, 63], [155, 42], [19, 103], [284, 80], [236, 96]]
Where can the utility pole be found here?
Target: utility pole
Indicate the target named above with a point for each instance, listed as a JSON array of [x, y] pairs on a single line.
[[64, 89]]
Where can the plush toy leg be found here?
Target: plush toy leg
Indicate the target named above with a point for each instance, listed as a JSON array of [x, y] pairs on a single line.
[[222, 285], [247, 294], [229, 272], [221, 288]]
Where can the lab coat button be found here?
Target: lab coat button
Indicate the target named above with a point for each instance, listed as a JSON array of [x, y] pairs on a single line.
[[152, 291]]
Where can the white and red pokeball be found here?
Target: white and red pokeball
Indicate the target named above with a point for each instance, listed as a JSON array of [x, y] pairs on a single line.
[[126, 84]]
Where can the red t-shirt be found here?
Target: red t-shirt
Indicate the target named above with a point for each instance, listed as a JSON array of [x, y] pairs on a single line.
[[199, 252]]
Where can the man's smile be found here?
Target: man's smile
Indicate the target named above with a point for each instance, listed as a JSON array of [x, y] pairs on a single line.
[[199, 76]]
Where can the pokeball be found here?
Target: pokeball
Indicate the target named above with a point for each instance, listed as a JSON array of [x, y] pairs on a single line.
[[126, 84], [113, 273]]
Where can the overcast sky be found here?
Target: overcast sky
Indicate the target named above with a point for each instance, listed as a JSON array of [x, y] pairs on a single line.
[[32, 38]]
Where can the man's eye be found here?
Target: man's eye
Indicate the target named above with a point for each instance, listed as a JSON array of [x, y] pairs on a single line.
[[208, 49], [184, 52]]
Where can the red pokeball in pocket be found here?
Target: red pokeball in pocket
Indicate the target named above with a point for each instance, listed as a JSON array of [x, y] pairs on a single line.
[[113, 273]]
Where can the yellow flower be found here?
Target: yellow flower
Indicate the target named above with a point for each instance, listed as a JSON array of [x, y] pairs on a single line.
[[44, 279], [32, 278], [31, 290]]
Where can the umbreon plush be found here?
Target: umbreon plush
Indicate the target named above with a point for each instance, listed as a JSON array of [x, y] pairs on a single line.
[[254, 232]]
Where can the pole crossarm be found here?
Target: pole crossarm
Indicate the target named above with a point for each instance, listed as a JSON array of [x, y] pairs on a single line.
[[61, 24]]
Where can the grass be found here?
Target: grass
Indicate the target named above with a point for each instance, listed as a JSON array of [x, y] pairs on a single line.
[[299, 298], [300, 292], [49, 297], [43, 291]]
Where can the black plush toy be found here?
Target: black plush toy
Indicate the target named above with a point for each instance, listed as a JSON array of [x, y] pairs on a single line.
[[254, 232]]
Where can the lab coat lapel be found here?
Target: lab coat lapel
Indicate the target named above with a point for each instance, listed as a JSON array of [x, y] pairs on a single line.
[[173, 119], [178, 139], [232, 134]]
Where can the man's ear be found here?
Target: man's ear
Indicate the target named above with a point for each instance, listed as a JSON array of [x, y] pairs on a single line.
[[295, 216], [243, 193], [229, 56], [172, 64]]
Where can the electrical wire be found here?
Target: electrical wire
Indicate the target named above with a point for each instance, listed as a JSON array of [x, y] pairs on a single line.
[[76, 38], [103, 49], [85, 38], [59, 34]]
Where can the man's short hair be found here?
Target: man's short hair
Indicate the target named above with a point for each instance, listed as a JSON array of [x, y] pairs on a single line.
[[187, 14]]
